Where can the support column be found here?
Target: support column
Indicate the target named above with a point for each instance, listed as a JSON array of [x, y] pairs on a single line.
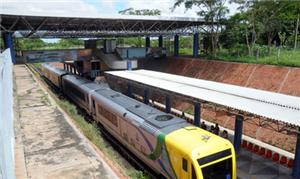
[[9, 43], [129, 65], [160, 41], [129, 92], [90, 44], [197, 114], [196, 45], [296, 168], [176, 45], [238, 132], [64, 66], [168, 105], [148, 42], [146, 96]]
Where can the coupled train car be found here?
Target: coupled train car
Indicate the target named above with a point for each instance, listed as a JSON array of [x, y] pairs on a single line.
[[169, 145]]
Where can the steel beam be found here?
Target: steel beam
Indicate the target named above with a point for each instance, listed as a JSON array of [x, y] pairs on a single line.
[[195, 45], [238, 132], [146, 96], [148, 42], [176, 45], [197, 114], [168, 104], [8, 42], [296, 168], [160, 41]]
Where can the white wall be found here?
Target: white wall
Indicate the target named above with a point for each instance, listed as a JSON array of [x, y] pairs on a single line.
[[7, 162]]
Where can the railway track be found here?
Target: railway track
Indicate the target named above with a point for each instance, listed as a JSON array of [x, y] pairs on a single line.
[[129, 156]]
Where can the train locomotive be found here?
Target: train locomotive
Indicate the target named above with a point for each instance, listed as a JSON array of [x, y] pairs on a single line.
[[167, 144]]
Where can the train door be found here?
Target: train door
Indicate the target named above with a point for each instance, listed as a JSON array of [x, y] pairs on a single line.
[[184, 172], [93, 111]]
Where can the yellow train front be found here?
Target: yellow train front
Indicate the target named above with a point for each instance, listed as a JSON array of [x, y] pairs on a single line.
[[196, 153], [169, 145]]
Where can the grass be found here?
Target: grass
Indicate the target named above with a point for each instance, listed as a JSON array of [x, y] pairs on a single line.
[[278, 57], [284, 58], [93, 133]]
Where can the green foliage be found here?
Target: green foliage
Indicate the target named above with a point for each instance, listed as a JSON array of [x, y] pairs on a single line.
[[144, 12], [39, 44], [279, 57]]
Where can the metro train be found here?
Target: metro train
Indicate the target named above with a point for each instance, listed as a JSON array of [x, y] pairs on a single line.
[[167, 144]]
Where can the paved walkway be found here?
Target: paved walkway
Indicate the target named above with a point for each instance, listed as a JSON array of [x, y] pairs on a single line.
[[253, 166], [47, 144]]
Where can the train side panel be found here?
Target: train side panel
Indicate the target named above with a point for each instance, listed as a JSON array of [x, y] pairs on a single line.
[[73, 91], [131, 135]]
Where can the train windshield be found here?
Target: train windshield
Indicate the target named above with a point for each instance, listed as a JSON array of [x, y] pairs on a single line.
[[220, 170]]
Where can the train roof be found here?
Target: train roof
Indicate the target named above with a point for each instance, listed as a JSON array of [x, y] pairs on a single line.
[[76, 79], [198, 142], [162, 121], [54, 69]]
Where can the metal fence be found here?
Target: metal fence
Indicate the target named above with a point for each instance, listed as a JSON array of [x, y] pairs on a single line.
[[7, 161]]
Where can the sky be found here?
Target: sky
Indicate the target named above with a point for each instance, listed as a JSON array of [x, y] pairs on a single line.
[[95, 7]]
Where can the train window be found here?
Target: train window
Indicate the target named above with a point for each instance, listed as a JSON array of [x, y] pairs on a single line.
[[108, 115], [94, 106], [74, 91], [221, 169], [193, 172], [184, 164], [95, 65]]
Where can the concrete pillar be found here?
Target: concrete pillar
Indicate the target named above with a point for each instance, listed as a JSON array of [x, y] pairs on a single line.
[[9, 43], [195, 45], [64, 66], [146, 96], [129, 65], [296, 168], [90, 44], [168, 105], [176, 45], [129, 91], [148, 42], [197, 114], [160, 41], [238, 132]]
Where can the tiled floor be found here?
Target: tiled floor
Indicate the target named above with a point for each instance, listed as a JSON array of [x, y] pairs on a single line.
[[253, 166]]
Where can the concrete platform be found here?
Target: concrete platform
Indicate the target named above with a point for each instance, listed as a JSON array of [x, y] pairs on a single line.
[[47, 144]]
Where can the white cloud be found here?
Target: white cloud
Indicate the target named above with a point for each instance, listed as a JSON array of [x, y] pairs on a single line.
[[48, 7]]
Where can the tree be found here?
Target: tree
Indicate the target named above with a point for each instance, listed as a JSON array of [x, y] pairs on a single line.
[[144, 12], [213, 12]]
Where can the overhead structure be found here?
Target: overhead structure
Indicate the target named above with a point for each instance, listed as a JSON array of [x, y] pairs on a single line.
[[270, 105], [66, 26]]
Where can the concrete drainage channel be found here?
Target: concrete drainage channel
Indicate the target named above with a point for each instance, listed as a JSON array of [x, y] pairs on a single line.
[[48, 145]]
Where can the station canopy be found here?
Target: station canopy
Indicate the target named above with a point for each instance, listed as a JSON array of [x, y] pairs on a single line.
[[85, 26], [274, 106]]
